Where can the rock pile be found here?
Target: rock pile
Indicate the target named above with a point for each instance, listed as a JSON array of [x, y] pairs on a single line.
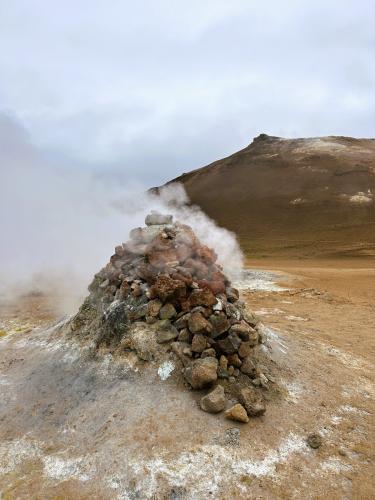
[[165, 277]]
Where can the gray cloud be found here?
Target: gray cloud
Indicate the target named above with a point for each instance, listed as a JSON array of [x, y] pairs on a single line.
[[152, 89]]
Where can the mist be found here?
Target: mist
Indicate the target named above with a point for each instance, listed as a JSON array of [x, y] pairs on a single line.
[[60, 223]]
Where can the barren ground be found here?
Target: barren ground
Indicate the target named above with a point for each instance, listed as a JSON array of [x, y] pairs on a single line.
[[71, 427]]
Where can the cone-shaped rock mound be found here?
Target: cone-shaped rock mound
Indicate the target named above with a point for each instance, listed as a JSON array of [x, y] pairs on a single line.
[[164, 292]]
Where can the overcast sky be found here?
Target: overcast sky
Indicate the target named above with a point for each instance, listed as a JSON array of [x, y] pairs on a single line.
[[156, 88]]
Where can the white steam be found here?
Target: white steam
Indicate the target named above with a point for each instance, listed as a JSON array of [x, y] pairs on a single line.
[[59, 225]]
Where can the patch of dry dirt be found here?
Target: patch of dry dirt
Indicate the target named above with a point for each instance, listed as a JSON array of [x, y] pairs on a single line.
[[71, 427]]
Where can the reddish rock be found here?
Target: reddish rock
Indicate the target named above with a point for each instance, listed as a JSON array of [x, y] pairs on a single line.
[[202, 298], [215, 286], [167, 288], [206, 254]]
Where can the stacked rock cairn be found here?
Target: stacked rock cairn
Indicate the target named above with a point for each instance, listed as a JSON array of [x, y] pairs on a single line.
[[165, 277]]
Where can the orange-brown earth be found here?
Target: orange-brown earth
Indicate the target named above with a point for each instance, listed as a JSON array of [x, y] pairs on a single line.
[[293, 197], [151, 440]]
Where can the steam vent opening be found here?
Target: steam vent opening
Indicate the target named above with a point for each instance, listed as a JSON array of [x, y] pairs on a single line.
[[163, 299]]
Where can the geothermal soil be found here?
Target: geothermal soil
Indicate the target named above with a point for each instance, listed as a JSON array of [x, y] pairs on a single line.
[[73, 427]]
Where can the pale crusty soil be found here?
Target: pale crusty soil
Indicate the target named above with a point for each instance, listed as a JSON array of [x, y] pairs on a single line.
[[70, 428]]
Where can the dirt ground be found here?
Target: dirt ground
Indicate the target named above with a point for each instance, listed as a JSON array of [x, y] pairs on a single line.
[[74, 429]]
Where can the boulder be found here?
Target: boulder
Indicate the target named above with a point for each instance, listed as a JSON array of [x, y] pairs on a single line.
[[237, 413], [201, 372], [214, 401]]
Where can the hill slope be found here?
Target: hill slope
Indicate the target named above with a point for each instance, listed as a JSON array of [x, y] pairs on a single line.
[[301, 197]]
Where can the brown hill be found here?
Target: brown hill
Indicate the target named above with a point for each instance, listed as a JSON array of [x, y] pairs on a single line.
[[305, 197]]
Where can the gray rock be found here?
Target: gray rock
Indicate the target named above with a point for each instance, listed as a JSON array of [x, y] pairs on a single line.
[[214, 401], [230, 344], [167, 311], [165, 332], [155, 218]]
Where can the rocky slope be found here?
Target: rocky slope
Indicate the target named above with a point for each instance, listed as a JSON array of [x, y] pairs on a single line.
[[293, 196]]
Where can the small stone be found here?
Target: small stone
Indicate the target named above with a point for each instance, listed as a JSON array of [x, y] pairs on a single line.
[[182, 321], [166, 332], [150, 320], [222, 373], [136, 290], [244, 350], [201, 372], [202, 298], [237, 413], [231, 380], [157, 219], [314, 440], [166, 288], [219, 306], [167, 311], [184, 335], [138, 312], [154, 307], [223, 362], [230, 370], [232, 294], [198, 324], [199, 343], [187, 352], [236, 372], [248, 367], [214, 402], [252, 401], [219, 323], [230, 344], [208, 353], [243, 330], [234, 360]]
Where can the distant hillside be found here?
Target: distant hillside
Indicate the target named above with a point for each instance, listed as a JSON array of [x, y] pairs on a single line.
[[300, 197]]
